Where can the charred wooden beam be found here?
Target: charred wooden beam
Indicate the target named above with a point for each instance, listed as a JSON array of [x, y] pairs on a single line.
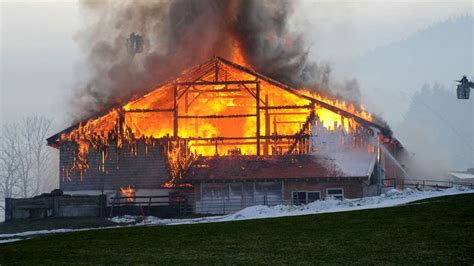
[[186, 103], [252, 93], [290, 113], [289, 107], [273, 137], [214, 116], [216, 90], [149, 110], [303, 129], [230, 82], [121, 122], [216, 73], [235, 143], [267, 126], [192, 101], [175, 109], [257, 110], [226, 97], [289, 122], [184, 91], [241, 106], [249, 91]]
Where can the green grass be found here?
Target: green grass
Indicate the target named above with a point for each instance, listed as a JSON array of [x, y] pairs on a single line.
[[439, 231], [53, 223]]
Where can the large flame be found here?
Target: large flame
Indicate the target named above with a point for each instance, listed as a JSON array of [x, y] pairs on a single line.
[[238, 54], [207, 112]]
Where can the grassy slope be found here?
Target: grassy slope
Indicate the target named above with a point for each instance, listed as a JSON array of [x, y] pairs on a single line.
[[53, 223], [440, 230]]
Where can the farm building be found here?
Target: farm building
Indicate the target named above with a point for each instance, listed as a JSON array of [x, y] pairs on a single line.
[[232, 138]]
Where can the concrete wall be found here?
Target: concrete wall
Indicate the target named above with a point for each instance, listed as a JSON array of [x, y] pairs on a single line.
[[352, 188], [229, 197], [55, 206], [220, 198], [146, 168], [109, 194]]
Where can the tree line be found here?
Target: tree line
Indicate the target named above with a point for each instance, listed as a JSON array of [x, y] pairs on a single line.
[[28, 166]]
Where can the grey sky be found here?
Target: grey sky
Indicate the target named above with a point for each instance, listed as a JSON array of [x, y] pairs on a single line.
[[41, 63], [40, 60]]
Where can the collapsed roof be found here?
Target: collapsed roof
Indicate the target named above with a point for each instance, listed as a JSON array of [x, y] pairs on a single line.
[[217, 73]]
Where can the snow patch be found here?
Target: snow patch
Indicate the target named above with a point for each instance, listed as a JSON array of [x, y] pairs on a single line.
[[391, 198], [125, 219], [10, 240]]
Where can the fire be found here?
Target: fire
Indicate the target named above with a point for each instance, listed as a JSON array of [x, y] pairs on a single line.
[[238, 51], [210, 110], [128, 192], [359, 111], [171, 184]]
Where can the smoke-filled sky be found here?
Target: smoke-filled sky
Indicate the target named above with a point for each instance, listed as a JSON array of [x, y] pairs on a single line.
[[44, 62]]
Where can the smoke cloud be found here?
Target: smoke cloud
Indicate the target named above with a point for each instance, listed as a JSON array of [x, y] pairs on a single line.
[[183, 33]]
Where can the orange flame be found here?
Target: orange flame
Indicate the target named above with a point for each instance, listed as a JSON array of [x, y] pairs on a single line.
[[238, 52], [170, 184], [206, 113], [128, 192]]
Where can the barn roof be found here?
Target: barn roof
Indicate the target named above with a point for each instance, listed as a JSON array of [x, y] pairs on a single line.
[[239, 168], [208, 72]]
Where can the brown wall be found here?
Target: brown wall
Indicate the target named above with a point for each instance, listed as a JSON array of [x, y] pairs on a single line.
[[352, 189], [145, 170]]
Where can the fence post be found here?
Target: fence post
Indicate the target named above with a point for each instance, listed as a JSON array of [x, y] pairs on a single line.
[[103, 205], [149, 205], [223, 205], [112, 208], [423, 184], [8, 209]]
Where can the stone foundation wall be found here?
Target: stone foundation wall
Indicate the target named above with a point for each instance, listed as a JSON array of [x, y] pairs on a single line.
[[55, 206]]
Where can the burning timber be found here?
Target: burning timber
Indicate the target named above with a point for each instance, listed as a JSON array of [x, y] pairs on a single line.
[[226, 133]]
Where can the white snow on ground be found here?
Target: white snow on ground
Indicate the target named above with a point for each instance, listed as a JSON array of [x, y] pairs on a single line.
[[389, 199], [10, 240], [6, 238]]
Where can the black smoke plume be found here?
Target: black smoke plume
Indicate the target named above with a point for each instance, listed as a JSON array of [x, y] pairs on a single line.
[[183, 33]]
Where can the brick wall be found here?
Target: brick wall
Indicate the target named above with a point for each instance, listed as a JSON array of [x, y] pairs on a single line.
[[146, 168]]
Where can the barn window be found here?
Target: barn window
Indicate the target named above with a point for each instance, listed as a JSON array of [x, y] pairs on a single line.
[[337, 193], [304, 197]]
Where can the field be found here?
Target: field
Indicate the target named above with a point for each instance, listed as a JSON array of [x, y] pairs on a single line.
[[435, 231]]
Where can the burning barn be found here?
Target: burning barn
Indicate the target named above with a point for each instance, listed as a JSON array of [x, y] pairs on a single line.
[[232, 137]]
